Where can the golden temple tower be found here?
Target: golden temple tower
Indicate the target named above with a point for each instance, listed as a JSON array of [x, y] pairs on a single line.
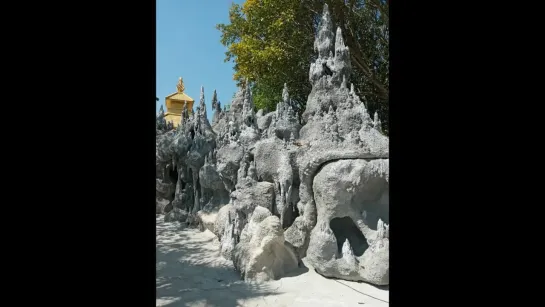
[[175, 103]]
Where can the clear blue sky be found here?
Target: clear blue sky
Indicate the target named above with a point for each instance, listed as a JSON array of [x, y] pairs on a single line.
[[188, 46]]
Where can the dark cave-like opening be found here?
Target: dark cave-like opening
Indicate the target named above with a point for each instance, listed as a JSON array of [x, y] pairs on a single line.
[[198, 186], [290, 214], [192, 133], [327, 70], [295, 213], [173, 175], [344, 228]]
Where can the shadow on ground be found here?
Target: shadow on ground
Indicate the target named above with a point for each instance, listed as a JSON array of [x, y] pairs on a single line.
[[193, 274]]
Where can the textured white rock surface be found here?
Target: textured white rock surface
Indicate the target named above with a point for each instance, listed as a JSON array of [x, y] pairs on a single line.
[[350, 205], [190, 272], [261, 254]]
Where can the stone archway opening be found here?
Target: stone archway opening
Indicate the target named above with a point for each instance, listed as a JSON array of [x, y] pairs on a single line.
[[344, 228], [360, 198]]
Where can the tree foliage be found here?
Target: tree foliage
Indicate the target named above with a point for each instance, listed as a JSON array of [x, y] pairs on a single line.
[[271, 42]]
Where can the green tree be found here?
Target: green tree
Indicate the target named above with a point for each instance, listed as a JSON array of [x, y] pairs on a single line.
[[271, 42]]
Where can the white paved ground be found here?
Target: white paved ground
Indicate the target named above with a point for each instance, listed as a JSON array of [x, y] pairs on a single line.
[[190, 273]]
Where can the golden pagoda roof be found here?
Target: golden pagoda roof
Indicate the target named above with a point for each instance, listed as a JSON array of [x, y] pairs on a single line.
[[179, 96]]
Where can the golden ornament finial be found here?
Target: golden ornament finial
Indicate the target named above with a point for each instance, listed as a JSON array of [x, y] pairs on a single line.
[[180, 86]]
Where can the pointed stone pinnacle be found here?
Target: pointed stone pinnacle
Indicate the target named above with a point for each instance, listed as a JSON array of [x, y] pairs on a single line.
[[347, 249], [246, 84], [202, 105], [377, 123], [285, 94], [382, 229], [324, 38], [339, 42], [325, 10], [214, 100], [347, 253]]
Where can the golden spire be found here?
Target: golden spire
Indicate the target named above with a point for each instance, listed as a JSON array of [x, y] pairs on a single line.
[[180, 86]]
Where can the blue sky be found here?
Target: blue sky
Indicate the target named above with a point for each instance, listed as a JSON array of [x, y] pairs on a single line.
[[188, 46]]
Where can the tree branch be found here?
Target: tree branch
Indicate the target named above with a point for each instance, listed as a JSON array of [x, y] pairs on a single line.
[[382, 8], [382, 91]]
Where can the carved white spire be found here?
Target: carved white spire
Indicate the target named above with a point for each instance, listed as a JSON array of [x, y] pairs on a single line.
[[248, 102], [248, 114], [214, 100], [343, 67], [285, 94], [202, 105], [377, 123], [347, 253], [324, 40], [383, 229], [339, 42]]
